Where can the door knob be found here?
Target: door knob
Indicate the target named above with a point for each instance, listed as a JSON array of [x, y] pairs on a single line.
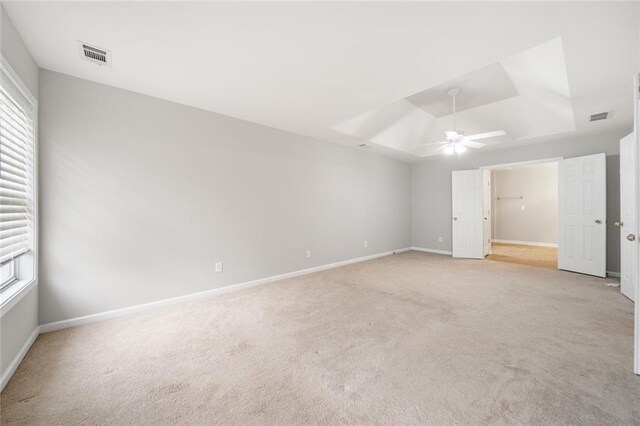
[[455, 218], [631, 237], [619, 224], [598, 221]]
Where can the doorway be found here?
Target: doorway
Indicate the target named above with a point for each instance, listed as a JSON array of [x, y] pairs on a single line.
[[524, 207], [580, 212]]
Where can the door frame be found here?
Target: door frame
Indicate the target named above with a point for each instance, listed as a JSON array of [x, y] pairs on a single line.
[[487, 211], [521, 163], [636, 127], [502, 166]]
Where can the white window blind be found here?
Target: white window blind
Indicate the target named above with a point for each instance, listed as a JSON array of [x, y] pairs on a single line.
[[16, 171]]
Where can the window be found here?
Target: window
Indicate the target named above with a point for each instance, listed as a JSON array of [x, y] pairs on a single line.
[[7, 274], [17, 182]]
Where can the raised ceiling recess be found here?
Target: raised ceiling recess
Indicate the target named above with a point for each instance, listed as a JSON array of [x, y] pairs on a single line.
[[487, 85], [526, 95]]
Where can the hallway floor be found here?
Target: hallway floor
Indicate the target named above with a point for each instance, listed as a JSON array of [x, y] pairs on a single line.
[[546, 257]]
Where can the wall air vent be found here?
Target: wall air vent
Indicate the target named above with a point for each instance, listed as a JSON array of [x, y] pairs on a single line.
[[364, 145], [95, 55], [600, 116]]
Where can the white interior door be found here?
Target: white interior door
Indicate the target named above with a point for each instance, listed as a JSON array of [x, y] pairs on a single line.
[[468, 219], [486, 208], [628, 217], [582, 215]]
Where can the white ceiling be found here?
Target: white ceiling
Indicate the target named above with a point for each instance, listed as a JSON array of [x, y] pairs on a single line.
[[308, 67]]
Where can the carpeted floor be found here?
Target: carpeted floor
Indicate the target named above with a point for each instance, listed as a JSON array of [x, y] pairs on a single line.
[[546, 257], [413, 338]]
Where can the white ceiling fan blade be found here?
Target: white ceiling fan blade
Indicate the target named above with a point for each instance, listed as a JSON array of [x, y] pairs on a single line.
[[432, 143], [486, 135], [472, 144], [451, 134]]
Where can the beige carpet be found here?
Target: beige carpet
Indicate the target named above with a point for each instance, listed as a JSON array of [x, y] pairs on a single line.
[[546, 257], [412, 338]]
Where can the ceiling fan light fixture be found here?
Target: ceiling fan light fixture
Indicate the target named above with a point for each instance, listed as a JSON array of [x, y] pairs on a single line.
[[449, 150], [459, 148]]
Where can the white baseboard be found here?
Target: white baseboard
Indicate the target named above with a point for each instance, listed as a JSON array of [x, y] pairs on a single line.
[[525, 243], [6, 375], [613, 274], [74, 322], [428, 250]]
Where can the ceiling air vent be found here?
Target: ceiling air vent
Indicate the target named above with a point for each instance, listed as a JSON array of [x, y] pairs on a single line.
[[95, 54], [364, 145], [599, 116]]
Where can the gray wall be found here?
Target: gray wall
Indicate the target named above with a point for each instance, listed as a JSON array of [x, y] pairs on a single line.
[[18, 323], [15, 51], [535, 217], [431, 185], [140, 197]]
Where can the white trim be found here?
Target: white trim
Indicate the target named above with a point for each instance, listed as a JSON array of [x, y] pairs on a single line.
[[613, 274], [521, 163], [74, 322], [6, 375], [525, 243], [428, 250], [13, 294], [636, 314], [636, 311]]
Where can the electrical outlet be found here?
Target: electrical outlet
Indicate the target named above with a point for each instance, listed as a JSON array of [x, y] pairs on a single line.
[[440, 239], [308, 254], [218, 266], [366, 243]]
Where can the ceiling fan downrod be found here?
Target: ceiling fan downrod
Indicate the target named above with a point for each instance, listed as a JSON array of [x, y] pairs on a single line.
[[453, 92]]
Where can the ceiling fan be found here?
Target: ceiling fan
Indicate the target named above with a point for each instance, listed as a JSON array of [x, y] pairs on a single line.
[[456, 142]]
